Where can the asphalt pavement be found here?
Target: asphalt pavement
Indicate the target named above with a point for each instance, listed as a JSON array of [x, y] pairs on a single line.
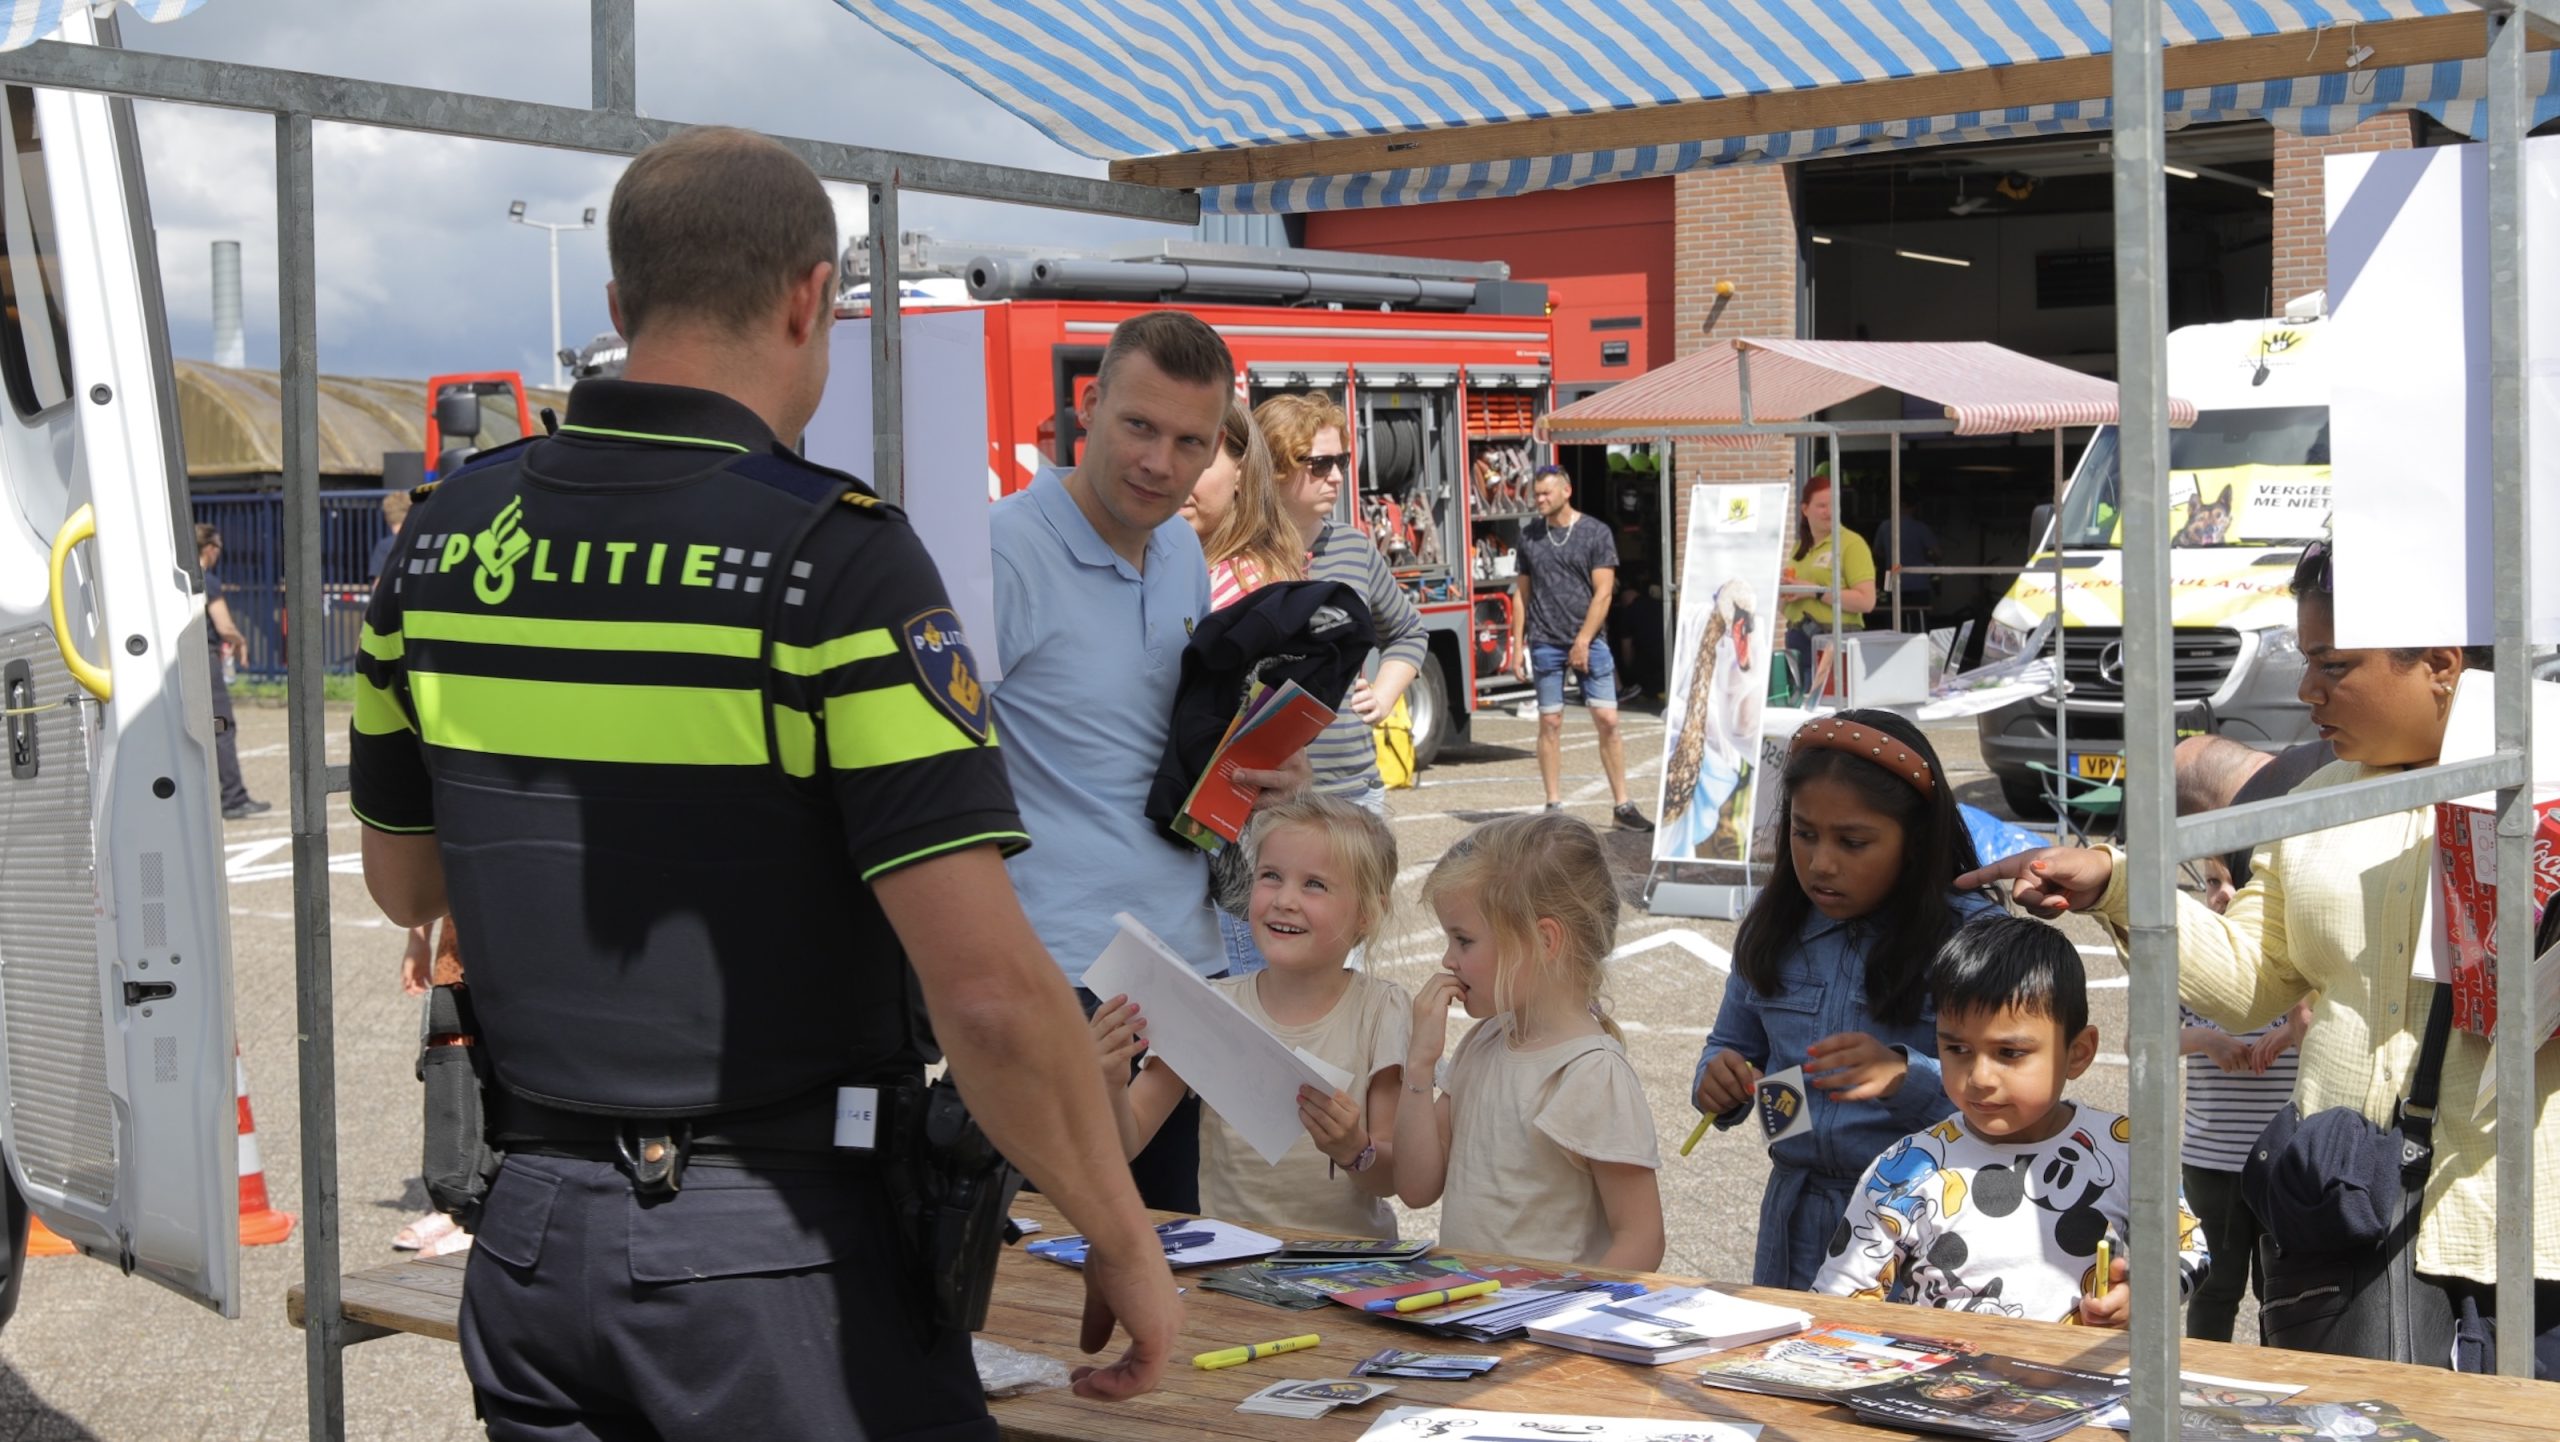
[[92, 1354]]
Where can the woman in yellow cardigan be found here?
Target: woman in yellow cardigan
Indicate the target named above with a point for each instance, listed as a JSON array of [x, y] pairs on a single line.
[[2337, 914]]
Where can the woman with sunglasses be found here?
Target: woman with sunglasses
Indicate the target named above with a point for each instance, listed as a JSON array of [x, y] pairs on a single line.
[[2338, 915], [1307, 436]]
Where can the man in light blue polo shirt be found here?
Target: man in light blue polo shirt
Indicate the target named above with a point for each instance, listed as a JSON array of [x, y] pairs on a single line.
[[1099, 582]]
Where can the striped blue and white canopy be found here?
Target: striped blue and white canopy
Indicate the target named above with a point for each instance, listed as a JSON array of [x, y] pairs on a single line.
[[28, 21], [1119, 79]]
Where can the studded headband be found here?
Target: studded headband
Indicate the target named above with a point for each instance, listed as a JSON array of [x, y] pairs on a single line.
[[1869, 744]]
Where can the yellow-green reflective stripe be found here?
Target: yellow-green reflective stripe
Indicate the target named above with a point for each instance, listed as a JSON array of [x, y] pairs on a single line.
[[563, 721], [378, 713], [394, 830], [653, 436], [1005, 840], [561, 635], [380, 647], [827, 655], [796, 731], [888, 726]]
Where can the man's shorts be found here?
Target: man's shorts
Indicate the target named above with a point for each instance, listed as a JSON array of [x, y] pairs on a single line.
[[1548, 664]]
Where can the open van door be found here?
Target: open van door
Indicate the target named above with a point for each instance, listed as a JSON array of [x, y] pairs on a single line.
[[116, 1106]]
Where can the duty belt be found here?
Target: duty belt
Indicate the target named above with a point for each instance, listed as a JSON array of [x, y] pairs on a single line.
[[835, 1126]]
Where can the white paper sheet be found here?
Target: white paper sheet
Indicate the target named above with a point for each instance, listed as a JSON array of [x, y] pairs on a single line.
[[1243, 1073], [1460, 1424], [2408, 348]]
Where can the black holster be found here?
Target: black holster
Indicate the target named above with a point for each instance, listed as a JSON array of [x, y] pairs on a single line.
[[954, 1192], [459, 1162]]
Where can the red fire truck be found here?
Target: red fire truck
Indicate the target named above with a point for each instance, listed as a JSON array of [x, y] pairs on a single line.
[[1444, 406]]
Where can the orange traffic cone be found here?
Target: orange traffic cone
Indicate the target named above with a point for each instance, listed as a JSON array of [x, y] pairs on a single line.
[[260, 1224]]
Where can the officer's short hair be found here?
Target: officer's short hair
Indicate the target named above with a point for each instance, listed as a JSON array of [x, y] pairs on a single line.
[[206, 535], [1179, 343], [714, 223]]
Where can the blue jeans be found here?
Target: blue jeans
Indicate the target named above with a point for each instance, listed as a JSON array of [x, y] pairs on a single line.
[[1599, 684]]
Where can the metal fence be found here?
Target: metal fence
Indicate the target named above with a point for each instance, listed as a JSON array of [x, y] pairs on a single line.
[[352, 532]]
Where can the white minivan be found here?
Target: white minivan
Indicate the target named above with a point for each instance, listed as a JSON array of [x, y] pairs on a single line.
[[116, 1108], [2249, 486]]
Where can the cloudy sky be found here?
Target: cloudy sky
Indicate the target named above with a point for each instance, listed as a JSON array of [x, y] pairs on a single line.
[[420, 270]]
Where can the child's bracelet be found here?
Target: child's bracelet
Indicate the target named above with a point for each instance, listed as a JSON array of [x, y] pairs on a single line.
[[1423, 1090]]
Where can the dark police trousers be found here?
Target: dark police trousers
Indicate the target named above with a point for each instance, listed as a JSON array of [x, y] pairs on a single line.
[[764, 1303]]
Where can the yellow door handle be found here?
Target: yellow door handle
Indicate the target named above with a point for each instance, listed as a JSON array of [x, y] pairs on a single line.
[[81, 525]]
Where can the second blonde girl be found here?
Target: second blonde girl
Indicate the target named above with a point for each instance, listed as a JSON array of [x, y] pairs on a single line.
[[1540, 1143]]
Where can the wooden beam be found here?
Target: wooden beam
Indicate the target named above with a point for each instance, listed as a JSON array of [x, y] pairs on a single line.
[[2425, 40]]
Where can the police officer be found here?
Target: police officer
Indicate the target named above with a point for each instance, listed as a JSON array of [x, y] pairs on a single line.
[[683, 732]]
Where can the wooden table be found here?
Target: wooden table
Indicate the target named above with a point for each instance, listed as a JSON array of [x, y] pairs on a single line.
[[1039, 1307]]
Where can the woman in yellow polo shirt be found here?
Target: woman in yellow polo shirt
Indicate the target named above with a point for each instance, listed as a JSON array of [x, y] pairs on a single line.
[[1816, 534]]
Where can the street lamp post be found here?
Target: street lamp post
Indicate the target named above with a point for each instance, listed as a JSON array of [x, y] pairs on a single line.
[[515, 212]]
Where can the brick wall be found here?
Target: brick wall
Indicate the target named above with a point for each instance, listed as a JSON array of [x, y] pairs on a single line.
[[1733, 224], [2301, 206]]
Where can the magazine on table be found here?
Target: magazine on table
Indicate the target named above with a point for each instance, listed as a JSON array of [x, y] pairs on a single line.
[[1983, 1394], [2315, 1422], [1666, 1326], [2199, 1389], [1187, 1241], [1508, 1313], [1827, 1360]]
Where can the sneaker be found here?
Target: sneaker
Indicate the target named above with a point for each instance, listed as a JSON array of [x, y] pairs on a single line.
[[246, 809], [1629, 818], [1551, 806]]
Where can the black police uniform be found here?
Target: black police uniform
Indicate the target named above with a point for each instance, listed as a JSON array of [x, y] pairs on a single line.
[[669, 697]]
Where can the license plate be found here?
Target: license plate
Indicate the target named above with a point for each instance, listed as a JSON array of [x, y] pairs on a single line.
[[2097, 765]]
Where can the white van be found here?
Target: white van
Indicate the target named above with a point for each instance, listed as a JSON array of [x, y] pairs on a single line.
[[116, 1109], [2249, 486]]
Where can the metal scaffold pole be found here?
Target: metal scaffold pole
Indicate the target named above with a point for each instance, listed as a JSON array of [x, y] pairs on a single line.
[[2509, 420], [298, 363], [2142, 330], [888, 350]]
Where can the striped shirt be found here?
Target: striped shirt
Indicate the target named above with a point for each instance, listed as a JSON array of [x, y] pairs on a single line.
[[1231, 580], [1346, 755], [2227, 1110]]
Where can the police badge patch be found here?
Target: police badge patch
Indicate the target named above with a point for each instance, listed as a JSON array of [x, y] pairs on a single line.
[[945, 671]]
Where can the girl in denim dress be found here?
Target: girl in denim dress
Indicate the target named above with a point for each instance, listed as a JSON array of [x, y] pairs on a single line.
[[1830, 969]]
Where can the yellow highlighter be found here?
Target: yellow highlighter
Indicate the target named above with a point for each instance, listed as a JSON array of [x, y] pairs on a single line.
[[2102, 1279], [1695, 1133], [1420, 1300], [1238, 1356]]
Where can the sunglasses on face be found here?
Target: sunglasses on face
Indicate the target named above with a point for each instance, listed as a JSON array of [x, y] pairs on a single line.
[[1338, 462]]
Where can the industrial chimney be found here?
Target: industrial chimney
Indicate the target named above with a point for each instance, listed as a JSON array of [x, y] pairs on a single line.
[[230, 344]]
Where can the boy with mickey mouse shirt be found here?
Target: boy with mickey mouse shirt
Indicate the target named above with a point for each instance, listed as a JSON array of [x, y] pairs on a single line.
[[2001, 1209]]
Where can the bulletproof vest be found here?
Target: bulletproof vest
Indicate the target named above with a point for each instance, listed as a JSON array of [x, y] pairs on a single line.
[[661, 919]]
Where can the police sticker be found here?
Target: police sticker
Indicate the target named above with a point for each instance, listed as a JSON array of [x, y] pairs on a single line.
[[1781, 1098], [948, 674]]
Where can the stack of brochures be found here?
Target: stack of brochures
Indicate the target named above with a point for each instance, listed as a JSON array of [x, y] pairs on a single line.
[[1828, 1360], [1273, 724], [1665, 1326], [1511, 1312], [2007, 1399]]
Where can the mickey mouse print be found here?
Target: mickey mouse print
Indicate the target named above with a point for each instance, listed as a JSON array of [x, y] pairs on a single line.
[[1946, 1219]]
